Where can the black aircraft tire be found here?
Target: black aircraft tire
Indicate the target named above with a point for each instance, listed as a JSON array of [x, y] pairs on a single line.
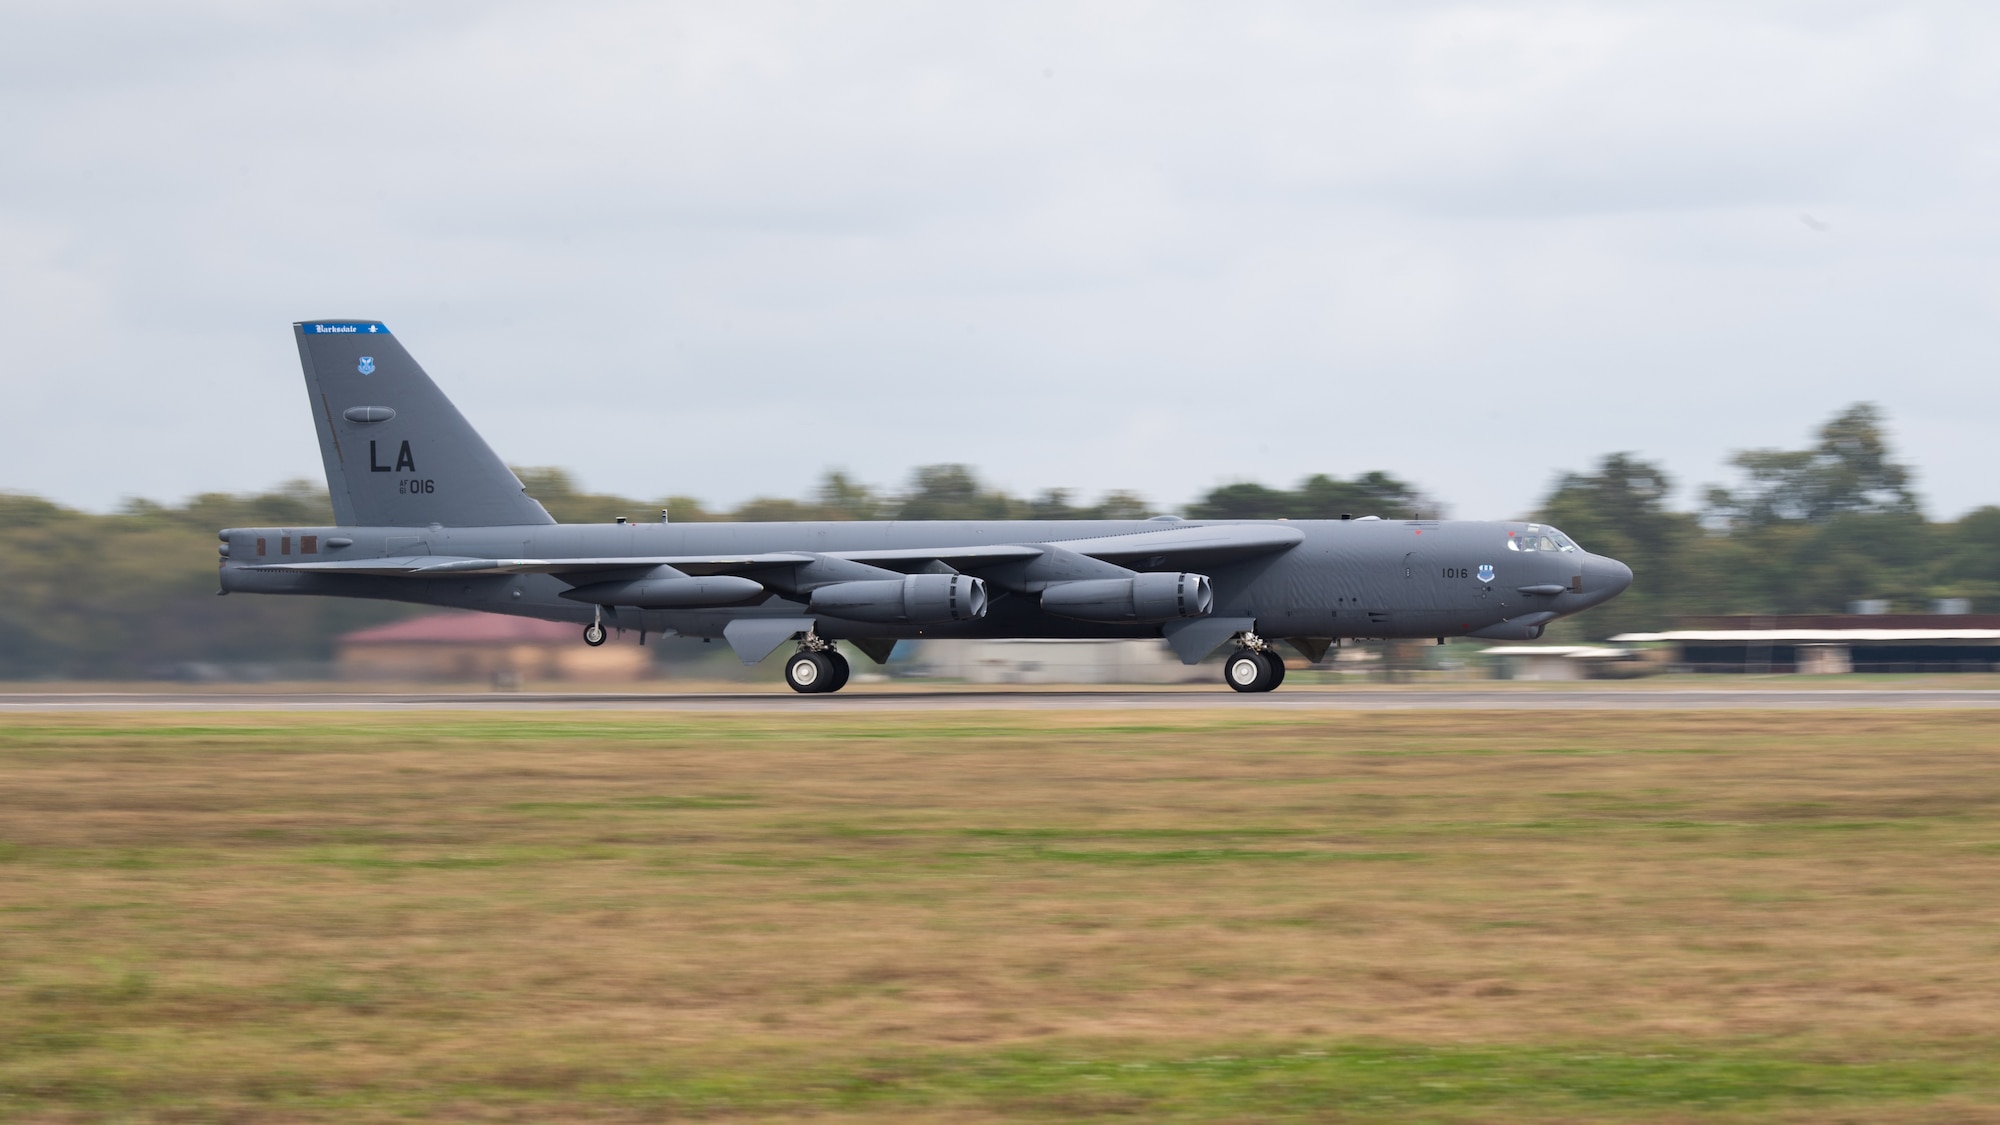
[[808, 673], [1277, 664], [593, 634], [838, 679], [1247, 671]]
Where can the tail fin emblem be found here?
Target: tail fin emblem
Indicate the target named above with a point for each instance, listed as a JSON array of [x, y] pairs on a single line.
[[366, 366]]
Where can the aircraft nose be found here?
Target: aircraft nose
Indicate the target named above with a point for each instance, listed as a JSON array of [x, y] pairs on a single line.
[[1605, 578]]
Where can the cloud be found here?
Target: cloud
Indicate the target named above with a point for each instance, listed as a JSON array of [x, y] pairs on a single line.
[[1145, 246]]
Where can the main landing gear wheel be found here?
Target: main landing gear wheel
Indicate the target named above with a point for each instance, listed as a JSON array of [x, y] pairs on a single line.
[[593, 634], [1277, 664], [808, 672], [840, 670], [812, 673], [1250, 670]]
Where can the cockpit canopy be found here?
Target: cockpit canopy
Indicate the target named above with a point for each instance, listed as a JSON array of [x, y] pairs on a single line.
[[1540, 537]]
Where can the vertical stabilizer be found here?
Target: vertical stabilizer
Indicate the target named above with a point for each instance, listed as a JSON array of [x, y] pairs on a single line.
[[397, 452]]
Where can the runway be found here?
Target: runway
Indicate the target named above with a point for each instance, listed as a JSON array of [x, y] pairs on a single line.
[[1192, 698]]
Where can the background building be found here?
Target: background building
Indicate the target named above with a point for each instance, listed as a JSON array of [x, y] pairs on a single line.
[[1834, 643], [1057, 662], [463, 646]]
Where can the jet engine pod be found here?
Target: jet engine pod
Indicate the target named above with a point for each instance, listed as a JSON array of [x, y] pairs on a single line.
[[676, 592], [1142, 597], [919, 599]]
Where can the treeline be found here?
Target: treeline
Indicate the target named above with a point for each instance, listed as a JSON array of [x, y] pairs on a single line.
[[935, 492], [132, 593], [1804, 531], [955, 492]]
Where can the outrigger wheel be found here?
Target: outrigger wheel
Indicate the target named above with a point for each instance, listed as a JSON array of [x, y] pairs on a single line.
[[593, 634]]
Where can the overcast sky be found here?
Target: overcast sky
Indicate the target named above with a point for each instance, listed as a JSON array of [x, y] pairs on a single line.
[[716, 249]]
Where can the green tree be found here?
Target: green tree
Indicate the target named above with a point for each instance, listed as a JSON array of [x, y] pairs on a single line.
[[1969, 559], [1318, 497], [132, 594], [558, 492], [1811, 530], [1244, 500], [1621, 510], [1849, 471], [954, 492], [843, 498], [1120, 506], [1053, 504]]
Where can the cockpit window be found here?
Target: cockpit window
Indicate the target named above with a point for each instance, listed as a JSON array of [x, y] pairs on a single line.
[[1539, 537]]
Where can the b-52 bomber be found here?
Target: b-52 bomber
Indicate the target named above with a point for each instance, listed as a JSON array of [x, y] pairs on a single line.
[[426, 512]]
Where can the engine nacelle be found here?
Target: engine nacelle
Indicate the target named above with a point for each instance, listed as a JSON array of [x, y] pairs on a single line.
[[1142, 597], [918, 599]]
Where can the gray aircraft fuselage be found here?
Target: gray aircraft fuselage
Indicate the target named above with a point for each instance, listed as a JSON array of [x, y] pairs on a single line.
[[1346, 579], [426, 512]]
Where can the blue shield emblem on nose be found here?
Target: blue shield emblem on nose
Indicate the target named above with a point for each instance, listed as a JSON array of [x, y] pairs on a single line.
[[1486, 572], [366, 366]]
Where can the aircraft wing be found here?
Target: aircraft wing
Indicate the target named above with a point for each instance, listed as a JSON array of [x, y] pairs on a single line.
[[445, 566], [1178, 544], [970, 555], [1185, 544]]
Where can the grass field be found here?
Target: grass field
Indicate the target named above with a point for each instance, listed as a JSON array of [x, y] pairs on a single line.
[[1020, 916]]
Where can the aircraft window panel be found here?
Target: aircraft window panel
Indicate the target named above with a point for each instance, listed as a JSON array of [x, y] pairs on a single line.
[[1513, 543]]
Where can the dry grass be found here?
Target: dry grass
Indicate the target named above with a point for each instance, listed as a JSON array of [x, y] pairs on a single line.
[[1360, 917]]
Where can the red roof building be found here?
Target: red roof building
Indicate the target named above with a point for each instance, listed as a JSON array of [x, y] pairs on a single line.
[[463, 646], [464, 627]]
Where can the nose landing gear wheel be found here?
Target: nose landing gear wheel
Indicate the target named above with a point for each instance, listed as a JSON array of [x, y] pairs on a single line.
[[593, 634], [1247, 670]]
